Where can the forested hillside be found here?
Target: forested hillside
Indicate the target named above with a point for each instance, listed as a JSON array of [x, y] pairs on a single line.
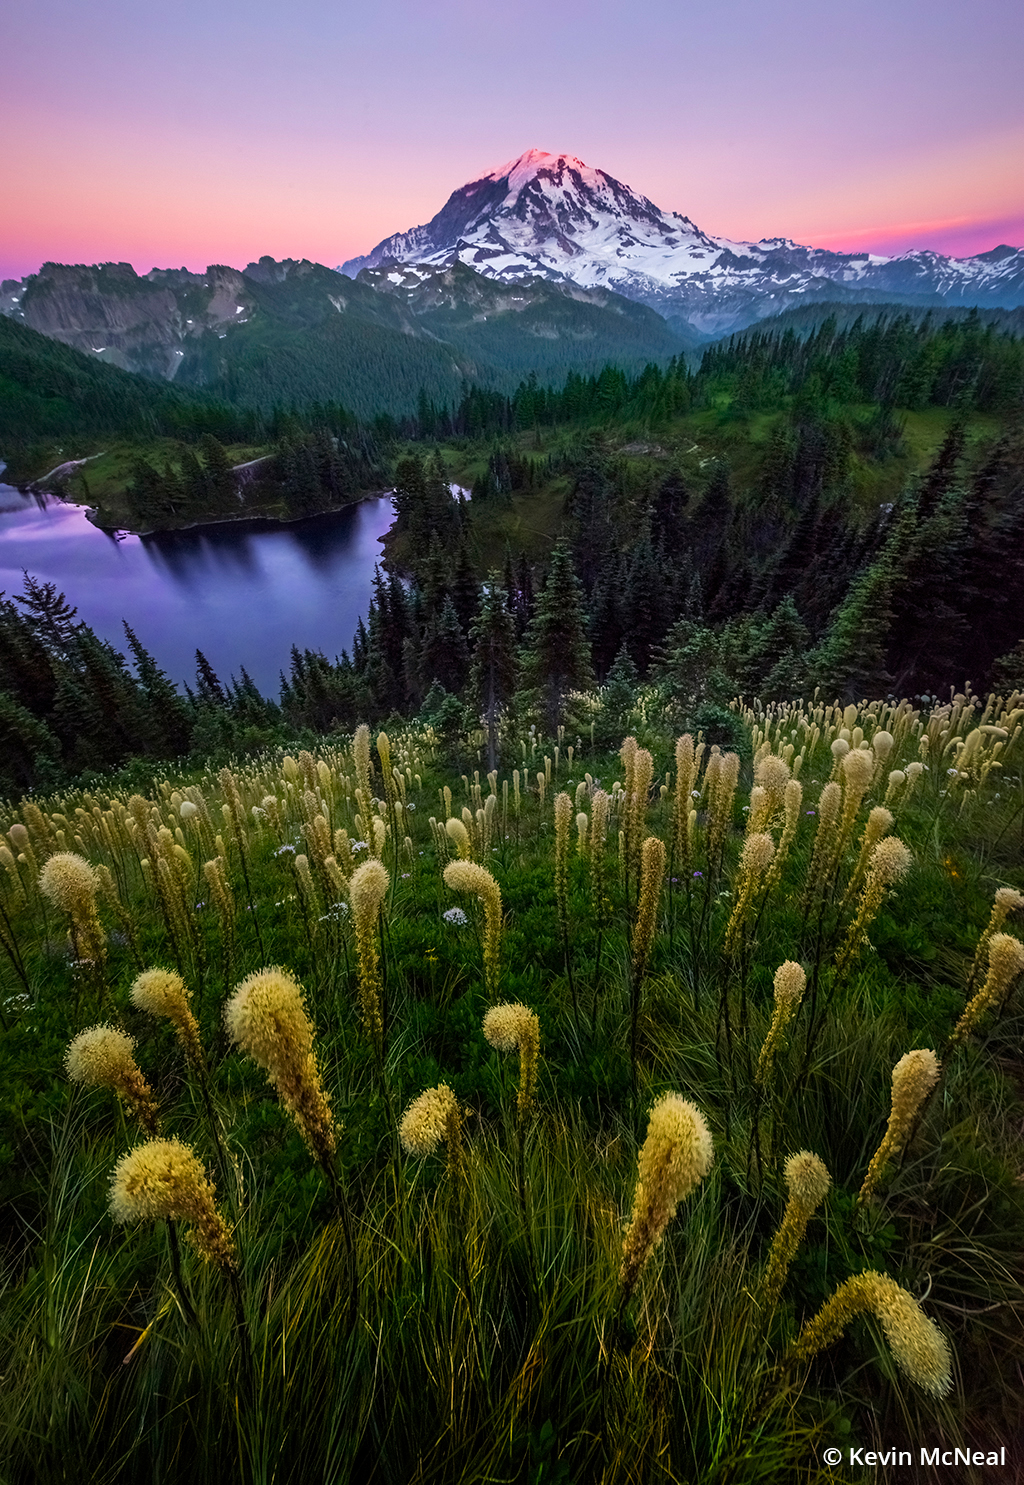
[[843, 510], [52, 394]]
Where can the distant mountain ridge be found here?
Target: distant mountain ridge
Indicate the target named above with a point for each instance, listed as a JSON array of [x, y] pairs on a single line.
[[544, 265], [555, 217], [277, 333]]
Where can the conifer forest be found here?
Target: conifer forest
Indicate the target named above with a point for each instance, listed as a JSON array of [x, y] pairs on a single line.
[[573, 1035]]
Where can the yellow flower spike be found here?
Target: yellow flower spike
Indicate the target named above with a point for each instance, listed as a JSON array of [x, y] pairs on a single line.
[[807, 1181], [162, 992], [266, 1017], [913, 1078], [889, 863], [165, 1180], [772, 774], [652, 873], [792, 800], [582, 826], [460, 839], [828, 818], [101, 1057], [71, 884], [1007, 900], [686, 775], [1005, 963], [361, 760], [675, 1157], [879, 823], [563, 816], [918, 1346], [11, 867], [515, 1028], [367, 889], [753, 874], [636, 807], [469, 876], [789, 986], [721, 795], [432, 1117]]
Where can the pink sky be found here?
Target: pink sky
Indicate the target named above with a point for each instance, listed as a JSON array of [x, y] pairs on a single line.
[[216, 132]]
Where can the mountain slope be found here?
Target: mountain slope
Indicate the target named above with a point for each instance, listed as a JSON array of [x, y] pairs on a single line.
[[296, 332], [554, 216], [50, 391]]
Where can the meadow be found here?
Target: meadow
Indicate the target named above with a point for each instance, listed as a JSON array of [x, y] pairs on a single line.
[[650, 1115]]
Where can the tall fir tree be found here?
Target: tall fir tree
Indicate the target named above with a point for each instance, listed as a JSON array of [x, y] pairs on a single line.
[[557, 658], [493, 671], [445, 651]]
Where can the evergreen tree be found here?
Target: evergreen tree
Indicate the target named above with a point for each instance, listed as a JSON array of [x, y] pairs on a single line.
[[927, 639], [493, 672], [29, 752], [27, 667], [849, 663], [689, 666], [607, 625], [645, 610], [618, 697], [465, 589], [196, 486], [992, 558], [523, 601], [785, 646], [168, 725], [445, 651], [557, 656], [219, 473], [48, 613], [210, 690]]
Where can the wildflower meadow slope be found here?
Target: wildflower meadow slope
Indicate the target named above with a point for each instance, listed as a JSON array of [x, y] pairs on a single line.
[[647, 1115]]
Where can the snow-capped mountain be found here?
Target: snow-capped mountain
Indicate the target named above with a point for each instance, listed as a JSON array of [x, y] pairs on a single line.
[[554, 216]]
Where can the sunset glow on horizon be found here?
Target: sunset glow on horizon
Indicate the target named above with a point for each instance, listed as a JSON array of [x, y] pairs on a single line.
[[218, 133]]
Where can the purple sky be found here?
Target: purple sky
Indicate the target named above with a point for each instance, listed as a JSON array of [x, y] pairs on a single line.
[[205, 132]]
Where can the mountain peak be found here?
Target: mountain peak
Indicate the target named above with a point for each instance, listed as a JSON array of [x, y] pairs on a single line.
[[531, 163], [552, 216]]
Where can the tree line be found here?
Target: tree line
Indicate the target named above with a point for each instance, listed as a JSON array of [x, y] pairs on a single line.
[[894, 360], [306, 471]]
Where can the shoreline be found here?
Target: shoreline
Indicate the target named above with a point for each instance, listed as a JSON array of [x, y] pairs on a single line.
[[251, 519]]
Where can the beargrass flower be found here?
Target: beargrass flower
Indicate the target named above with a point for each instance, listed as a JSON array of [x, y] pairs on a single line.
[[101, 1057], [755, 864], [515, 1028], [652, 874], [165, 1180], [789, 985], [266, 1017], [469, 876], [919, 1347], [1005, 963], [162, 992], [367, 889], [674, 1158], [913, 1078], [71, 885], [432, 1117], [889, 862], [807, 1182]]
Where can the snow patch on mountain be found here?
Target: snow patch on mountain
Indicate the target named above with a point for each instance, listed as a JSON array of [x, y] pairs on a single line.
[[554, 216]]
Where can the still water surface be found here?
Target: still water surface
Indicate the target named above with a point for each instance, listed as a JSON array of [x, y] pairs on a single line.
[[241, 593]]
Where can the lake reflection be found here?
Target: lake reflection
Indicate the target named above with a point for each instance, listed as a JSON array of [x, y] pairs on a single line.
[[242, 593]]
